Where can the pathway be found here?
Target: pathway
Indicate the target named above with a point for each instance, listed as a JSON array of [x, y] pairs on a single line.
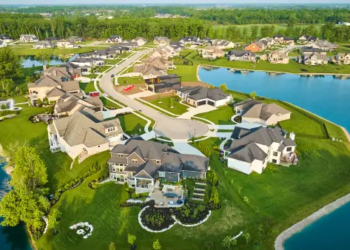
[[165, 126]]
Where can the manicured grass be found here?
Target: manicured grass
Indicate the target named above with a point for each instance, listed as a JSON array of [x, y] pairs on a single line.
[[188, 73], [87, 87], [220, 116], [103, 68], [177, 109], [130, 80], [92, 76], [113, 61], [27, 50], [124, 55], [16, 98], [132, 124], [156, 108]]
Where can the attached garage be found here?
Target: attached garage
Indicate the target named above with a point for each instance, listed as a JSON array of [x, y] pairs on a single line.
[[212, 103], [200, 103]]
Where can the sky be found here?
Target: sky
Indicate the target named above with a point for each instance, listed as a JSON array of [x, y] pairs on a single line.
[[62, 2]]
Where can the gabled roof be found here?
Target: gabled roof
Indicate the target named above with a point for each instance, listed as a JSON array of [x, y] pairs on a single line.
[[198, 93], [240, 53]]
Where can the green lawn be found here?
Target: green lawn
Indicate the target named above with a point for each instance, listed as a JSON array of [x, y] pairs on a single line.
[[132, 124], [103, 68], [92, 76], [130, 80], [113, 61], [177, 109], [188, 73], [124, 55], [17, 98], [87, 87], [221, 116]]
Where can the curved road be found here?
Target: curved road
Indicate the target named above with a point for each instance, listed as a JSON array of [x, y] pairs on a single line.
[[173, 128]]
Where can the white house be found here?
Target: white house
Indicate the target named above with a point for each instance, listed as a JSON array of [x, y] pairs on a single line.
[[139, 40], [6, 38], [43, 45], [28, 38], [66, 44], [251, 150], [2, 44], [114, 39], [84, 134]]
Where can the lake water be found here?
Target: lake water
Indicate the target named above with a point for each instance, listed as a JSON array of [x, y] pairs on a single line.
[[29, 61], [325, 96], [11, 238]]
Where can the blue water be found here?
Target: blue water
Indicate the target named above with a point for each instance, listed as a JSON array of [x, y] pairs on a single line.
[[11, 238], [328, 233], [29, 61], [325, 96]]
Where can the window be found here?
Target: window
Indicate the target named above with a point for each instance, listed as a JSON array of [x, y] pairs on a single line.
[[289, 149], [114, 169], [161, 174], [274, 161], [275, 153], [110, 129], [134, 160], [158, 161], [120, 155]]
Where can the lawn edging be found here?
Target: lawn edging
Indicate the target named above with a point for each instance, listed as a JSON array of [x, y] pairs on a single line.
[[286, 234], [150, 230], [192, 225]]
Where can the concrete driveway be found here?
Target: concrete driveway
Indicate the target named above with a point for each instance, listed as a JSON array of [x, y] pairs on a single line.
[[193, 111], [165, 126]]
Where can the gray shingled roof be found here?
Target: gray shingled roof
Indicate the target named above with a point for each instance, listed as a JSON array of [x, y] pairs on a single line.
[[147, 169], [198, 93]]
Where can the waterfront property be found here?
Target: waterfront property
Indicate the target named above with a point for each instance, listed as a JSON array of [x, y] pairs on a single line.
[[5, 38], [44, 44], [84, 133], [212, 52], [311, 56], [251, 150], [140, 163], [278, 57], [342, 59], [264, 113], [197, 96], [241, 55], [66, 44], [163, 83]]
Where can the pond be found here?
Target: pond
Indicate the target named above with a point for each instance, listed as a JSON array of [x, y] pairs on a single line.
[[325, 96], [11, 237], [29, 61]]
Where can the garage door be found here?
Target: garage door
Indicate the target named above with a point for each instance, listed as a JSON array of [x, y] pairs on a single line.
[[211, 103], [201, 103]]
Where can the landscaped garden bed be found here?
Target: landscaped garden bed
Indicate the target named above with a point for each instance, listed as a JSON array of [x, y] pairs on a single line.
[[191, 213], [157, 218]]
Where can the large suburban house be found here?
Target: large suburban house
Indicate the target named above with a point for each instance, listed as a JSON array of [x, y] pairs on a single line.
[[84, 133], [114, 39], [69, 104], [76, 39], [212, 52], [342, 59], [66, 44], [129, 44], [164, 83], [140, 41], [53, 84], [267, 41], [278, 57], [197, 96], [241, 55], [161, 40], [256, 47], [324, 45], [44, 44], [6, 38], [28, 38], [282, 39], [140, 163], [313, 56], [222, 44], [257, 112], [85, 64], [307, 39], [189, 40], [251, 150], [176, 46]]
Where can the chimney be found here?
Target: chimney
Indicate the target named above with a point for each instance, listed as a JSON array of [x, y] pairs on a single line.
[[55, 73], [44, 67], [292, 136]]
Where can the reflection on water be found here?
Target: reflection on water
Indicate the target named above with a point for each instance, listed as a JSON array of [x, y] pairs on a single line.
[[30, 61]]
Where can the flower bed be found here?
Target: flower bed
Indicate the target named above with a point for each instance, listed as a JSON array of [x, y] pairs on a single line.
[[191, 213], [156, 219]]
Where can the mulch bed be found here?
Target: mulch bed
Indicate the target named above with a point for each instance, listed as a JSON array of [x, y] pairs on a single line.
[[191, 213], [157, 218]]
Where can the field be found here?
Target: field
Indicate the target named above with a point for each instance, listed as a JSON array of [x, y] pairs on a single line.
[[164, 103], [87, 87], [130, 80]]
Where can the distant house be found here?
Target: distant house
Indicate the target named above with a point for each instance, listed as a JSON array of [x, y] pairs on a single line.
[[164, 83], [278, 38], [212, 52], [324, 45], [117, 49], [6, 38], [85, 64], [114, 39], [84, 133], [241, 55], [250, 150], [267, 41], [44, 44], [28, 39], [256, 47], [262, 113], [197, 96], [342, 59], [76, 39], [189, 40], [222, 44], [66, 44], [312, 56], [2, 44], [129, 44], [140, 41], [177, 46], [161, 40], [69, 104], [307, 39], [278, 57], [140, 163]]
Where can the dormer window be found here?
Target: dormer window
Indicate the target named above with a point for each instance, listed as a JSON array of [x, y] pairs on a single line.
[[134, 160], [120, 155], [158, 161], [111, 129]]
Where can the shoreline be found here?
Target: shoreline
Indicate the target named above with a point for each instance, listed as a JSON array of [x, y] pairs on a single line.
[[299, 226], [278, 72]]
